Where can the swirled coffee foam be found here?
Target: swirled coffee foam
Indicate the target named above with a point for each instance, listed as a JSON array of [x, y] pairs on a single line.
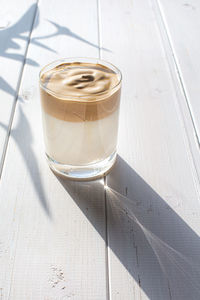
[[80, 104]]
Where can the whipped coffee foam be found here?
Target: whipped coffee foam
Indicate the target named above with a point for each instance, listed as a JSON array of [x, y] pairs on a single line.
[[79, 79], [80, 107], [80, 91]]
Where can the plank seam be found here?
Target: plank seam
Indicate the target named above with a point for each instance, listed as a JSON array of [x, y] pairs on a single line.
[[173, 61], [98, 27], [10, 126], [178, 68], [14, 255], [106, 245], [107, 269], [17, 94]]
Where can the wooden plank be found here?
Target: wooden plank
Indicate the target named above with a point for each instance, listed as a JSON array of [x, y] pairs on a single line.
[[153, 191], [181, 96], [52, 232], [15, 26], [183, 33]]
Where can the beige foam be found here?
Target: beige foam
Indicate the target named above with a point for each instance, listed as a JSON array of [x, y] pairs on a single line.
[[80, 91]]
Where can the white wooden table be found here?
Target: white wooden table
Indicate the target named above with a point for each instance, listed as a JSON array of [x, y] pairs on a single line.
[[139, 238]]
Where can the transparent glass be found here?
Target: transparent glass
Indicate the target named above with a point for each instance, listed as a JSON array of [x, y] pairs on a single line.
[[80, 130]]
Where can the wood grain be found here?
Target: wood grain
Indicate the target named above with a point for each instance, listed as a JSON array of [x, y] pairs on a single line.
[[183, 33], [186, 118], [52, 231], [135, 234], [15, 26], [153, 191]]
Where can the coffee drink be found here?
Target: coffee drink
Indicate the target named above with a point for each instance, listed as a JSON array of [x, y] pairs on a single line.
[[80, 107]]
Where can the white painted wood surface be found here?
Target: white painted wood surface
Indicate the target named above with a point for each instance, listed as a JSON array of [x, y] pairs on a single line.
[[182, 23], [139, 239], [15, 26], [52, 244], [187, 120], [156, 255]]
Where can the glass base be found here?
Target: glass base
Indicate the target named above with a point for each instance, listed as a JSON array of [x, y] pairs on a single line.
[[87, 172]]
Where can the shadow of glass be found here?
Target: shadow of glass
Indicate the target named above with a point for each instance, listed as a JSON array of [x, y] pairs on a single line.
[[159, 250], [25, 147]]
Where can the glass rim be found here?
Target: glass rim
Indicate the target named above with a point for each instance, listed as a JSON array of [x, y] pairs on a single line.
[[81, 59]]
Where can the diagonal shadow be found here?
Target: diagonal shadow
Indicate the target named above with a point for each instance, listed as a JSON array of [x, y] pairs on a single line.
[[15, 32], [8, 38], [6, 87], [8, 46], [27, 152], [62, 30], [159, 250]]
